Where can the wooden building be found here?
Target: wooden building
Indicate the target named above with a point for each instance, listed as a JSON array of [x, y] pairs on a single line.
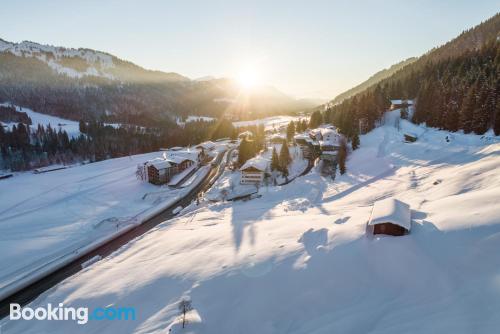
[[399, 104], [390, 216]]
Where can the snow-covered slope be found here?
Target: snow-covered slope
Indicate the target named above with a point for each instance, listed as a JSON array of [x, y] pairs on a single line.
[[269, 123], [71, 127], [97, 62], [298, 260]]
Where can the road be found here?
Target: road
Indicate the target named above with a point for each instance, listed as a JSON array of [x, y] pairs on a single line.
[[32, 291]]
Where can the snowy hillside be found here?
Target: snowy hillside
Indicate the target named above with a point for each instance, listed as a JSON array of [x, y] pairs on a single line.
[[97, 62], [71, 127], [298, 260], [269, 123]]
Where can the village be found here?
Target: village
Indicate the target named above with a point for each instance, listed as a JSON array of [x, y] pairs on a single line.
[[286, 151]]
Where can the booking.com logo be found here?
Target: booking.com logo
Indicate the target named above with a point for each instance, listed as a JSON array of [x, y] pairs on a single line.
[[81, 314]]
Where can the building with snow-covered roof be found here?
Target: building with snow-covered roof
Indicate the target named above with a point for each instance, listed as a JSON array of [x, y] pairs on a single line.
[[161, 170], [398, 104], [206, 146], [390, 216], [194, 155], [306, 144], [254, 170], [158, 170]]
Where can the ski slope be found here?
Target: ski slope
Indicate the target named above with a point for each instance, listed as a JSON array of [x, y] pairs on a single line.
[[298, 260]]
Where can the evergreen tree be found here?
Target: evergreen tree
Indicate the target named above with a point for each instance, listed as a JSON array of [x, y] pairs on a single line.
[[467, 111], [316, 119], [290, 131], [284, 158], [355, 141], [496, 124], [275, 162], [342, 156]]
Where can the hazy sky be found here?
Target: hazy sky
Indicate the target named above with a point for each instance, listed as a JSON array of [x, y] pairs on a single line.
[[304, 48]]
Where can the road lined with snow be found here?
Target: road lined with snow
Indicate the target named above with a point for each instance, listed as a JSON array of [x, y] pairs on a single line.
[[73, 254]]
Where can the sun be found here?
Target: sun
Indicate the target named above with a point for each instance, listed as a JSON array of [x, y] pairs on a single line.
[[248, 78]]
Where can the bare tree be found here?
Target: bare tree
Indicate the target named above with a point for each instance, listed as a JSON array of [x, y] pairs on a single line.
[[184, 307]]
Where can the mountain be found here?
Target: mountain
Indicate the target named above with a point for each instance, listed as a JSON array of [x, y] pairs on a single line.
[[456, 87], [87, 84], [374, 79]]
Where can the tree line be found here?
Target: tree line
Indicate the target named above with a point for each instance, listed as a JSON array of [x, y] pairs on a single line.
[[453, 93], [24, 147]]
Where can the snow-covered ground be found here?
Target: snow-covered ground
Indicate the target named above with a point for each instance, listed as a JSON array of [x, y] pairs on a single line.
[[228, 185], [298, 260], [269, 123], [45, 217], [71, 127]]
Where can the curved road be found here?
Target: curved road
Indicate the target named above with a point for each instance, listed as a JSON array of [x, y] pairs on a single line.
[[32, 291]]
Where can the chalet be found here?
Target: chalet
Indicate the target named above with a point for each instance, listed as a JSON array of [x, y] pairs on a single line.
[[390, 216], [307, 145], [254, 170], [398, 104], [329, 145]]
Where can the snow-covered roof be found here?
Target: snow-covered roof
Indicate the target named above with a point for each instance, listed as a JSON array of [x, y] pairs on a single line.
[[408, 102], [391, 211], [315, 132], [259, 163], [159, 163], [278, 136], [328, 132], [207, 145], [179, 156]]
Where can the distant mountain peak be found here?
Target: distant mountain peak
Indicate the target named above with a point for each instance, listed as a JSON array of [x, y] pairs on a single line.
[[75, 63], [206, 78]]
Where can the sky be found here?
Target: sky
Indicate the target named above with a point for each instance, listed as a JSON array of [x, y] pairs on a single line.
[[314, 49]]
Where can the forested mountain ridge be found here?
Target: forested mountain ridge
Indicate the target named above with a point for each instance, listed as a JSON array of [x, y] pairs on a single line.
[[373, 80], [456, 86], [87, 84]]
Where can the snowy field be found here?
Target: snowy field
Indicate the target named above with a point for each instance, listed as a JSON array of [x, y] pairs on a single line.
[[298, 260], [44, 217], [269, 123], [71, 127]]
